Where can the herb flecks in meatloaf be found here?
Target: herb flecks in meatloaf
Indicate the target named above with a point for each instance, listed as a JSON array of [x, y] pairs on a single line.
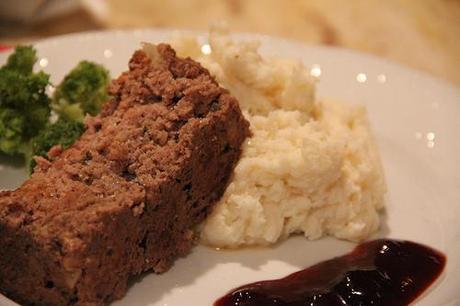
[[127, 195]]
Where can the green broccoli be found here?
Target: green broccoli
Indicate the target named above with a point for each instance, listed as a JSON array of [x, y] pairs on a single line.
[[25, 107], [82, 91], [24, 104], [22, 60], [63, 132]]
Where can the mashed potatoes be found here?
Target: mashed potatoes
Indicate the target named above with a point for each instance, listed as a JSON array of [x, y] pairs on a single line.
[[310, 167]]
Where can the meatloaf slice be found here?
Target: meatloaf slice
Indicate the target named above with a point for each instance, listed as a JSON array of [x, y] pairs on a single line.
[[126, 197]]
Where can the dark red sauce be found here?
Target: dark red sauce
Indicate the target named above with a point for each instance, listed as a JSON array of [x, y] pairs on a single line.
[[379, 272]]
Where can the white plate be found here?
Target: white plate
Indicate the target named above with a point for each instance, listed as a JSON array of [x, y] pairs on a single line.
[[416, 120]]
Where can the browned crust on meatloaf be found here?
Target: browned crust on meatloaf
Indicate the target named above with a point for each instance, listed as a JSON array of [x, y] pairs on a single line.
[[127, 195]]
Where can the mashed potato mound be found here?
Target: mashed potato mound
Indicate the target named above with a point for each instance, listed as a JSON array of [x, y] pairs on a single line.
[[310, 167]]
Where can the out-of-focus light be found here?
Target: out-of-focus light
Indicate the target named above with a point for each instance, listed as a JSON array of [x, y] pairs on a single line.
[[43, 62], [108, 53], [361, 77], [53, 117], [381, 78], [206, 49], [418, 135], [430, 136], [50, 89], [315, 71]]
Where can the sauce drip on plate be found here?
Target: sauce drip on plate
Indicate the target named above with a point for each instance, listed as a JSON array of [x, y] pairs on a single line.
[[379, 272]]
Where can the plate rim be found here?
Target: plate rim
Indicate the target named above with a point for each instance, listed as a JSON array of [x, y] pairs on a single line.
[[242, 35]]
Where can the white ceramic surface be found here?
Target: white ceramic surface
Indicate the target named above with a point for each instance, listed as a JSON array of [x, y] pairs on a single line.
[[416, 122]]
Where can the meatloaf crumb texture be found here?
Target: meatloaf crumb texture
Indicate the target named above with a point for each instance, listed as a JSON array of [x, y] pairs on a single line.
[[126, 197]]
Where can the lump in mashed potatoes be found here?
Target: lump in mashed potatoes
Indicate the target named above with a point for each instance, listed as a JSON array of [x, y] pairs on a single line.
[[311, 167]]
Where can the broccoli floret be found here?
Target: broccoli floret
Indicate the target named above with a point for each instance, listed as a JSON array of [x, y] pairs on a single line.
[[63, 132], [11, 127], [24, 105], [22, 60], [82, 91]]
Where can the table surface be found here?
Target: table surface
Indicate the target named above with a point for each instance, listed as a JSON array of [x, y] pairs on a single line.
[[421, 34]]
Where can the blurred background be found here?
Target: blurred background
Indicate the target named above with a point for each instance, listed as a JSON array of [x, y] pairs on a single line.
[[422, 34]]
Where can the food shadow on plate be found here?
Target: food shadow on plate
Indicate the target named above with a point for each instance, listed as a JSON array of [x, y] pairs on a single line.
[[11, 161], [12, 171], [297, 252]]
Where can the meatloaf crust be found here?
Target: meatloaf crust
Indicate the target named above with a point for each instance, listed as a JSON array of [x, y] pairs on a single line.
[[127, 196]]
